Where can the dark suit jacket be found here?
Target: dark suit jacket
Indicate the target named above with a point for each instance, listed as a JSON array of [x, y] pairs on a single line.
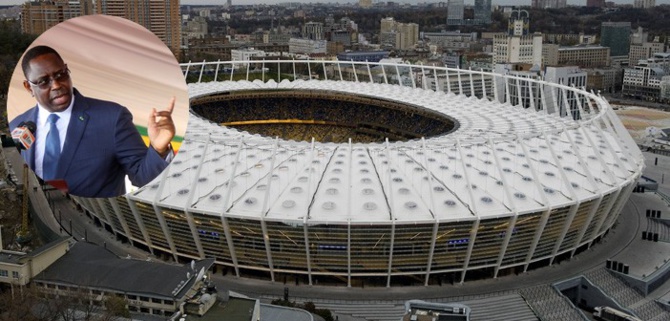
[[101, 146]]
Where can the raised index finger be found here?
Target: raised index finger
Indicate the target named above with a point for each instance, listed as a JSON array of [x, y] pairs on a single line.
[[171, 104]]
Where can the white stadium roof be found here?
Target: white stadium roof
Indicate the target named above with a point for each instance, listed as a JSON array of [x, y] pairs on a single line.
[[543, 161]]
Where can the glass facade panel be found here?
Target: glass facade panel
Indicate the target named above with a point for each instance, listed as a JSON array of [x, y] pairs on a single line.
[[287, 245], [600, 213], [97, 210], [116, 224], [451, 245], [212, 237], [411, 247], [328, 248], [551, 232], [488, 244], [614, 212], [577, 223], [522, 238], [153, 227], [370, 245], [247, 238], [128, 216], [180, 232]]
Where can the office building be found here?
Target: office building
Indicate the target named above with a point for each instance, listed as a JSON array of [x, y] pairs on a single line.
[[616, 36], [641, 49], [583, 56], [307, 46], [643, 81], [606, 80], [482, 11], [455, 12], [160, 17], [365, 4]]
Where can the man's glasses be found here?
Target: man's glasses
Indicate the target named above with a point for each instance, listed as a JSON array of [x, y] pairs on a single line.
[[45, 82]]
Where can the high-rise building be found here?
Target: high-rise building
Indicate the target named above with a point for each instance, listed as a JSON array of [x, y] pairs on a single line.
[[229, 3], [398, 35], [518, 45], [409, 35], [38, 16], [365, 3], [455, 11], [482, 11], [644, 4], [616, 35], [388, 25], [313, 31], [160, 17]]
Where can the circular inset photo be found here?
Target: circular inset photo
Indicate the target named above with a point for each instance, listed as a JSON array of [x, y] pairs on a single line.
[[95, 102]]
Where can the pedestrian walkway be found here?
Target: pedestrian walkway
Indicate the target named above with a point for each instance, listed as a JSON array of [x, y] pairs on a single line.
[[549, 304], [627, 296]]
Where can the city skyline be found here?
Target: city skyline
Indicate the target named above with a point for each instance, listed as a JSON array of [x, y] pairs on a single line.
[[274, 2]]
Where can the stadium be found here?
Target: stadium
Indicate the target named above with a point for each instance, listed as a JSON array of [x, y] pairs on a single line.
[[347, 173]]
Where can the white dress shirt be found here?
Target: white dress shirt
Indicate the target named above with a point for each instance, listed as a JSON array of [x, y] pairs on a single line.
[[43, 129]]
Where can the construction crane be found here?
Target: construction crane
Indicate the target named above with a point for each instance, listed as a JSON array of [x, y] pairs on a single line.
[[23, 236]]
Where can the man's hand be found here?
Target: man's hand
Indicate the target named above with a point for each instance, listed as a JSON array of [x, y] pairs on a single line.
[[161, 129]]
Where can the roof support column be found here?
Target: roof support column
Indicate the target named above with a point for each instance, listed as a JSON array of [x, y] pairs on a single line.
[[350, 209], [189, 201], [226, 202], [390, 267], [515, 213], [471, 244], [608, 209], [140, 224], [545, 214], [349, 253], [266, 208], [536, 238], [117, 211], [475, 228], [431, 253]]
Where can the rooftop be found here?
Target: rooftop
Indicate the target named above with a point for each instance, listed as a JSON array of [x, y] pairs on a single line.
[[542, 160], [91, 266]]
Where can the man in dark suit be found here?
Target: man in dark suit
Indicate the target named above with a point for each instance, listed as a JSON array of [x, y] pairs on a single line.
[[91, 144]]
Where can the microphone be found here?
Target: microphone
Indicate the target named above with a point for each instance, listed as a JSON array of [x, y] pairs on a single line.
[[24, 135]]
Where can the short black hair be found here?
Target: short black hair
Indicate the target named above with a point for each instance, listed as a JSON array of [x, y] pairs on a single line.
[[35, 52]]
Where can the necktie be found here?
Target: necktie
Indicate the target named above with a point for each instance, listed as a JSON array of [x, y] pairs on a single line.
[[52, 149]]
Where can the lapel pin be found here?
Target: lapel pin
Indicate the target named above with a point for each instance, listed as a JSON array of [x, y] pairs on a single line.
[[81, 118]]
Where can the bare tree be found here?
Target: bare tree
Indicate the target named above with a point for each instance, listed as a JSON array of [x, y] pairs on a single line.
[[75, 304]]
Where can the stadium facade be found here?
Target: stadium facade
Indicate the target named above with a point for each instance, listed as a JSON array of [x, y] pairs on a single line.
[[517, 184]]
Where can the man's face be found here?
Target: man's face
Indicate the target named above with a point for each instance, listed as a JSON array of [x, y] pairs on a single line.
[[49, 81]]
